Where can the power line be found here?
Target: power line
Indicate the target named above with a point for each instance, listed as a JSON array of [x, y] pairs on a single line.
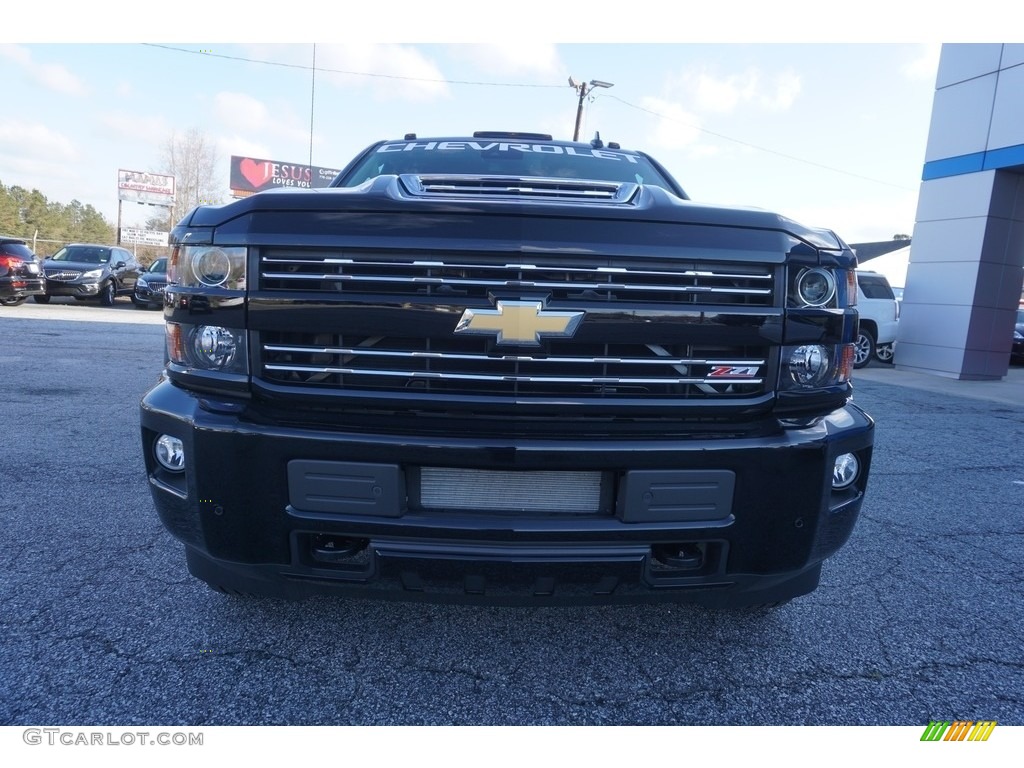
[[758, 147], [348, 72], [722, 136]]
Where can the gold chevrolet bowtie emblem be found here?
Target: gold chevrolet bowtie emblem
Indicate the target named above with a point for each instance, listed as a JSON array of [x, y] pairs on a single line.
[[519, 322]]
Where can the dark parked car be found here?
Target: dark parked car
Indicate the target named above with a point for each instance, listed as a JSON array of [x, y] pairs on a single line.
[[1017, 350], [20, 276], [149, 290], [88, 271]]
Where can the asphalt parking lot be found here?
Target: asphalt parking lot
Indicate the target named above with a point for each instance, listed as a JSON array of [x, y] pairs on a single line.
[[917, 618]]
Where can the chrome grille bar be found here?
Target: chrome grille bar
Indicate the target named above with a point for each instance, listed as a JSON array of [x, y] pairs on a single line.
[[688, 273], [313, 350], [510, 378], [517, 283]]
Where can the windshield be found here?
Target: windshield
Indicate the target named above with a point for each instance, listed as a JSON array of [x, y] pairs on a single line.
[[83, 254], [160, 265], [505, 158]]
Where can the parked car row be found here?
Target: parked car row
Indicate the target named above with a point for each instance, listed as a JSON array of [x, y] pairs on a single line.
[[83, 271]]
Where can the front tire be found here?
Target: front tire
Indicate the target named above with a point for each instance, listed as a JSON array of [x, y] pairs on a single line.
[[41, 298], [864, 349], [885, 353], [108, 294]]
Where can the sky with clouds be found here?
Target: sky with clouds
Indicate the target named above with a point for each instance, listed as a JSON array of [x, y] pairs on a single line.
[[828, 134]]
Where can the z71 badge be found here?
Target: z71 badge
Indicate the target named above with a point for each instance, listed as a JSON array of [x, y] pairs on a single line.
[[733, 372]]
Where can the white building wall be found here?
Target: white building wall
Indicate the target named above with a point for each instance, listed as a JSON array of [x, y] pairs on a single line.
[[967, 263]]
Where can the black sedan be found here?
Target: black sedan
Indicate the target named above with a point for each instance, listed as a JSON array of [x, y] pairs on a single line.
[[88, 271], [20, 276], [149, 289]]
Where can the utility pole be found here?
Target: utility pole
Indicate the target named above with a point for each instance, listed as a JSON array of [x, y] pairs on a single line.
[[584, 90]]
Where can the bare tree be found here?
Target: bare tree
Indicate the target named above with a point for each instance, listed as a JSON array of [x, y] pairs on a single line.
[[193, 160]]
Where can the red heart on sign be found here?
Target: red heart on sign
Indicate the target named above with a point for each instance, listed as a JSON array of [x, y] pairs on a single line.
[[255, 173]]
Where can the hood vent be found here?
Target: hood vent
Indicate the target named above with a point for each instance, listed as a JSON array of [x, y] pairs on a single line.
[[518, 187]]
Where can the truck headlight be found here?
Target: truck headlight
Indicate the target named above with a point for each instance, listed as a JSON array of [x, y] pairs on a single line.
[[207, 266], [808, 364], [813, 366], [815, 287], [207, 347], [217, 347], [92, 274]]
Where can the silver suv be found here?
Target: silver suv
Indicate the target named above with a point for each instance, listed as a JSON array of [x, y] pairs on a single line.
[[879, 318]]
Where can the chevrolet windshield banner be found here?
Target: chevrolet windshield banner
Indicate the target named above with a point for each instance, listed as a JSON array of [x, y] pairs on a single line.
[[251, 174]]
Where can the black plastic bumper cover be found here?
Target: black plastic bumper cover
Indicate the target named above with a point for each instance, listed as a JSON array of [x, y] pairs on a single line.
[[772, 516]]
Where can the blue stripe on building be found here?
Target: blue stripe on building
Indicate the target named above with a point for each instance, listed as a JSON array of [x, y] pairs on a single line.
[[994, 159]]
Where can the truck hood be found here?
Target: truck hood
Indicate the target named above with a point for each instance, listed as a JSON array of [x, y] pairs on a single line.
[[391, 194]]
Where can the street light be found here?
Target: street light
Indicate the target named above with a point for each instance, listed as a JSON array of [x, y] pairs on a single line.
[[584, 90]]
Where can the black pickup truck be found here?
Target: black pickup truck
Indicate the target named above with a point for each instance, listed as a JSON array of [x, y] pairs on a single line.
[[505, 369]]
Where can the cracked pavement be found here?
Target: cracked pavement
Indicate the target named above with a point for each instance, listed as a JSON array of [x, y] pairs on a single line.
[[918, 617]]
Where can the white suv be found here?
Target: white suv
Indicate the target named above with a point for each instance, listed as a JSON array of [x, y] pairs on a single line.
[[879, 318]]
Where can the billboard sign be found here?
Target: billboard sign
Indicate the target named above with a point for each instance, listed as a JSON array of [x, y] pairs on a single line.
[[142, 187], [253, 174], [130, 236]]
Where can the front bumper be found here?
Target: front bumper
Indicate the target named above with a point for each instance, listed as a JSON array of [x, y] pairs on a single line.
[[18, 287], [251, 524], [80, 289], [150, 295]]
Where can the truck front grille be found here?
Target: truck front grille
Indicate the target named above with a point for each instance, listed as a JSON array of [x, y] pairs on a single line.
[[385, 322], [460, 365], [464, 278]]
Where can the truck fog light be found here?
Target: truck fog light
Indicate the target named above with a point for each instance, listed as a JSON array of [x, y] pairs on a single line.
[[809, 364], [816, 287], [845, 471], [170, 453], [214, 347]]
